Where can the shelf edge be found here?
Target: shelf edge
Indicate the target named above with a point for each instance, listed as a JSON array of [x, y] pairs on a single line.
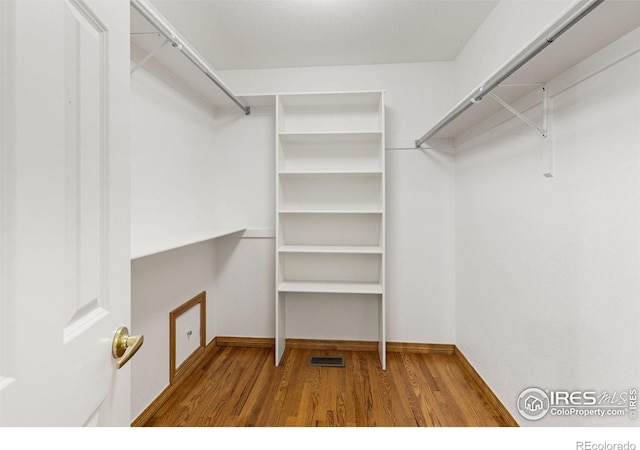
[[155, 247]]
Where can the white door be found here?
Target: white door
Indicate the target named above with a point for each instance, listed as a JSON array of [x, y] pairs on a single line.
[[64, 211]]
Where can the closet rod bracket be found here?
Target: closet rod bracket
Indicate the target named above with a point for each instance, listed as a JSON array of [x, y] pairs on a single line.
[[149, 55], [541, 129]]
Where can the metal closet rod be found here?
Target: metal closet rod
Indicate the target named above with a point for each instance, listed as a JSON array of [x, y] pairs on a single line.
[[179, 42], [550, 35]]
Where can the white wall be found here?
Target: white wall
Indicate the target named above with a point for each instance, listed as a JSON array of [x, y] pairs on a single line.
[[192, 169], [547, 268], [172, 191], [171, 161], [414, 92], [159, 284], [420, 212]]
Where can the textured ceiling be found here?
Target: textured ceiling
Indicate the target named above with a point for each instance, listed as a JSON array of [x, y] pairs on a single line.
[[244, 34]]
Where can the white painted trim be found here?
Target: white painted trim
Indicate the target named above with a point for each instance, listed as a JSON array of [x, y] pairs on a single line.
[[320, 93], [7, 183], [259, 233], [441, 144]]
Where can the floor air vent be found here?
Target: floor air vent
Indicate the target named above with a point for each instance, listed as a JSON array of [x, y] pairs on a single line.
[[327, 361]]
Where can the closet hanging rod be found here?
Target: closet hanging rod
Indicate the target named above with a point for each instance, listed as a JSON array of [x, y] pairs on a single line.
[[161, 24], [549, 35]]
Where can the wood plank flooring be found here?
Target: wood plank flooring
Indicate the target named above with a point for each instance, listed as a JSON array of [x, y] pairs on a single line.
[[241, 387]]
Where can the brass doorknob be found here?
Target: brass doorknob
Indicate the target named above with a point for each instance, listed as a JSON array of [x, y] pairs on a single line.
[[125, 346]]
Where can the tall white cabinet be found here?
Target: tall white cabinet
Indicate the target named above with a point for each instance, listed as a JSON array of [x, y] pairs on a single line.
[[330, 200]]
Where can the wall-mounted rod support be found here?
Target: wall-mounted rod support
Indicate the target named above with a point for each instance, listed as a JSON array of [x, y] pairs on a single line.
[[150, 55], [549, 35], [544, 130], [161, 24], [541, 129]]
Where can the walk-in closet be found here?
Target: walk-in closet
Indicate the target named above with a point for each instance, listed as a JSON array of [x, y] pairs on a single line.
[[286, 213]]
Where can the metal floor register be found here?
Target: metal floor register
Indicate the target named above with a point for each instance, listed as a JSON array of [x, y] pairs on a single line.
[[327, 361]]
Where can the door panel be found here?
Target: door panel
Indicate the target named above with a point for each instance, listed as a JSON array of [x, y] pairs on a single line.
[[65, 285], [85, 171]]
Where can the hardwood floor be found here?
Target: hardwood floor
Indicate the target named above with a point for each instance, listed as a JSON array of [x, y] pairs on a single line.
[[241, 387]]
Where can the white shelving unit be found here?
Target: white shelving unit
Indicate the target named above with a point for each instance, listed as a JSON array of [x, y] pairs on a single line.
[[330, 200]]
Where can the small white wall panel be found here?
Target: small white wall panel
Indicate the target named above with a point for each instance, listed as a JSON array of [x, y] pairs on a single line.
[[333, 229], [187, 334], [337, 112], [351, 316], [330, 203], [329, 151], [328, 192], [330, 267]]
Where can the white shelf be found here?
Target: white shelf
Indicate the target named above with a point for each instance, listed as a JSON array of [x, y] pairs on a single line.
[[329, 211], [316, 101], [295, 173], [152, 247], [335, 249], [315, 136], [330, 287]]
